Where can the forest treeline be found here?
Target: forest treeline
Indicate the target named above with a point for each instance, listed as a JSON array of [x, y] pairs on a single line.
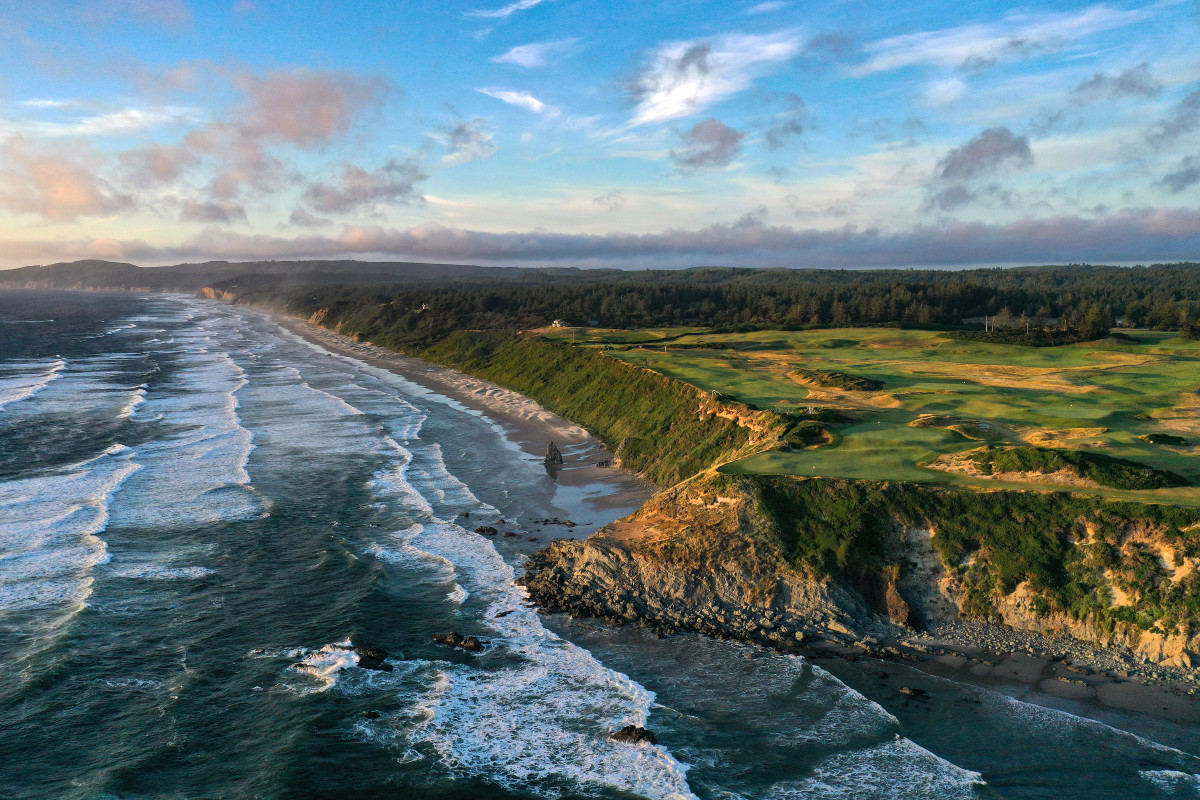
[[1080, 300]]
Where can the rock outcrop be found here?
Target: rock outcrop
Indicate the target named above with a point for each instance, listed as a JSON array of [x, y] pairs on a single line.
[[698, 557], [709, 556], [634, 734]]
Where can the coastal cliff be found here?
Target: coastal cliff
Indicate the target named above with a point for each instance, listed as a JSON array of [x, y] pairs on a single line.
[[777, 561]]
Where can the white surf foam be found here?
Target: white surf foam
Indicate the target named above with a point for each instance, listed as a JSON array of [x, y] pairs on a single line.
[[895, 770], [50, 530], [30, 378], [1173, 782], [544, 720]]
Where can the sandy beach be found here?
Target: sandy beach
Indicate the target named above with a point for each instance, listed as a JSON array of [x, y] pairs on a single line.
[[585, 493]]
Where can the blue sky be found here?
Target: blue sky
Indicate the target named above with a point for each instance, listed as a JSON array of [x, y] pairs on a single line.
[[575, 132]]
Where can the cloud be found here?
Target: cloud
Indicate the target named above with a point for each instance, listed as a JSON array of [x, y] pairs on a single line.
[[1133, 82], [769, 7], [354, 188], [1129, 235], [156, 164], [788, 124], [521, 100], [1017, 36], [56, 186], [300, 108], [944, 92], [684, 78], [119, 122], [612, 200], [303, 218], [469, 141], [213, 211], [50, 102], [991, 150], [507, 11], [536, 55], [1186, 175], [710, 143], [1183, 119], [305, 107]]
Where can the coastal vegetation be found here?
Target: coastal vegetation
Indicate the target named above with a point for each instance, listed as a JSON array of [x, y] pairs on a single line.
[[664, 429], [1117, 473], [994, 542]]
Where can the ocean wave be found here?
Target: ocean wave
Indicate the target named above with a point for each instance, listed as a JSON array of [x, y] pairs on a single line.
[[895, 770], [1174, 782], [50, 530], [31, 378]]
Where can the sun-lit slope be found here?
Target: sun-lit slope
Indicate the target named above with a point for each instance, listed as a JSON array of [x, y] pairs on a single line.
[[1101, 396]]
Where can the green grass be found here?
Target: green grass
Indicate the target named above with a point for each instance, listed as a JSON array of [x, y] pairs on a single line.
[[836, 379], [1127, 388], [1117, 473]]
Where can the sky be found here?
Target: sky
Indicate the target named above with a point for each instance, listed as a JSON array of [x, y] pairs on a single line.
[[600, 132]]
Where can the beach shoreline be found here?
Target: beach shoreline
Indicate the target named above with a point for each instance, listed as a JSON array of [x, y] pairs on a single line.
[[582, 489]]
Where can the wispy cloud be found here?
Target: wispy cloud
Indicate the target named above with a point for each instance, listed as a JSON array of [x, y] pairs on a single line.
[[1017, 36], [521, 100], [469, 140], [685, 78], [769, 7], [537, 54], [113, 123], [507, 11]]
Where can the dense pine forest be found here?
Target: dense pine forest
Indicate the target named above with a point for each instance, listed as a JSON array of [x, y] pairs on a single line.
[[1033, 305]]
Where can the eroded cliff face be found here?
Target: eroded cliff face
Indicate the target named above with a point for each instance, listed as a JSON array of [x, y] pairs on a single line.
[[706, 556], [939, 594], [210, 293], [703, 557]]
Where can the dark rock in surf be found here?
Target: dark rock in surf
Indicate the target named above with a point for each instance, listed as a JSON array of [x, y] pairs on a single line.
[[371, 714], [372, 658], [455, 639], [376, 653], [908, 691], [634, 734], [486, 530], [553, 456]]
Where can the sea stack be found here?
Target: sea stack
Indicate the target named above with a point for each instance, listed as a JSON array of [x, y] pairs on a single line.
[[553, 456]]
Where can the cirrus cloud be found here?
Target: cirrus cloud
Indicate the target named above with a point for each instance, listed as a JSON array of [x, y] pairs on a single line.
[[684, 78]]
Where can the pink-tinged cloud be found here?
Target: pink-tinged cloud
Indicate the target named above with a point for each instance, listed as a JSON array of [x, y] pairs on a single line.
[[156, 164], [304, 107], [58, 187], [1131, 235]]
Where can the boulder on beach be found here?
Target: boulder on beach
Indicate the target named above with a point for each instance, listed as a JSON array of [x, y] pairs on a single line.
[[553, 456]]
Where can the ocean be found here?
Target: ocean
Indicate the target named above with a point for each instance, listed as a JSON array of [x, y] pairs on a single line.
[[200, 514]]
